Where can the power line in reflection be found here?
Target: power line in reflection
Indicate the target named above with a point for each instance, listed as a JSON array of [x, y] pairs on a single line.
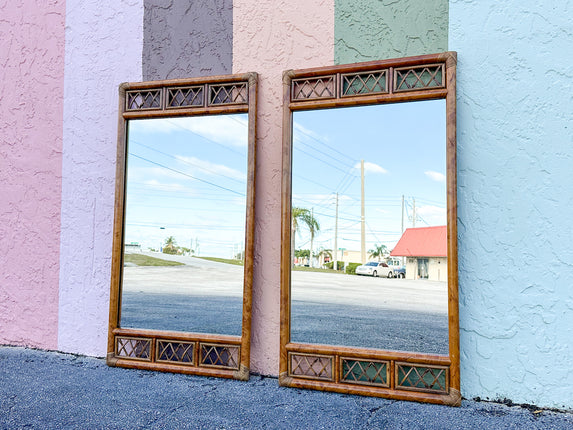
[[186, 174]]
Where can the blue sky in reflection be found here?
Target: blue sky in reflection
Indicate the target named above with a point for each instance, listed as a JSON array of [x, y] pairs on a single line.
[[404, 151], [186, 176]]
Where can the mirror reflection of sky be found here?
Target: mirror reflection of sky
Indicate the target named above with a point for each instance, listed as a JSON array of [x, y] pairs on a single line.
[[403, 146], [186, 178]]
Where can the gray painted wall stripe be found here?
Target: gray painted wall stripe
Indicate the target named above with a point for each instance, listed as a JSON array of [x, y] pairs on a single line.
[[187, 39]]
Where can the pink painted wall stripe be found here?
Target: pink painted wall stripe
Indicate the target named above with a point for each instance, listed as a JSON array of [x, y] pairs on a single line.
[[269, 37], [31, 104]]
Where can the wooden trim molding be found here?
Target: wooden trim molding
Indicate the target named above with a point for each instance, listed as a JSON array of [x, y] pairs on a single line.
[[194, 353], [392, 374]]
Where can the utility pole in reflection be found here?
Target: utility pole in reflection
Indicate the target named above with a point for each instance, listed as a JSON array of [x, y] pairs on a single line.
[[402, 231], [311, 263], [362, 218], [413, 212], [335, 263], [402, 226]]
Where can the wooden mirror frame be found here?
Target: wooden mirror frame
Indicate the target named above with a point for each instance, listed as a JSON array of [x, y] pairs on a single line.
[[141, 348], [400, 375]]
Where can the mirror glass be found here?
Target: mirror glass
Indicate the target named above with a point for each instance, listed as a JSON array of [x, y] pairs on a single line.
[[390, 245], [184, 232]]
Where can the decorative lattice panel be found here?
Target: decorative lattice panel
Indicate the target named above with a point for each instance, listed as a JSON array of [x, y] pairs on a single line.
[[135, 348], [311, 366], [144, 99], [175, 351], [309, 89], [185, 97], [364, 83], [367, 372], [228, 94], [424, 378], [417, 78], [226, 356]]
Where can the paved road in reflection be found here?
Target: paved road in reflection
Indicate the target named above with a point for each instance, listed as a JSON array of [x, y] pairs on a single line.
[[205, 296]]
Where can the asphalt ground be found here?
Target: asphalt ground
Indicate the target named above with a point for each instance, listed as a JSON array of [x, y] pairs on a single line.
[[322, 323], [51, 390], [369, 327]]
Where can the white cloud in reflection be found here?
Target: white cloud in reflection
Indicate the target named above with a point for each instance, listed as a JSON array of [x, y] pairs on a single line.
[[433, 215], [371, 168], [309, 133], [152, 175], [435, 176], [231, 130], [212, 168]]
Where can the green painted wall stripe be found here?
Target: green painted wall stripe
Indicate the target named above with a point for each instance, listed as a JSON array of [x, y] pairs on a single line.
[[367, 30]]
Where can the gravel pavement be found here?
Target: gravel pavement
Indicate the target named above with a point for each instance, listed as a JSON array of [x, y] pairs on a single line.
[[50, 390]]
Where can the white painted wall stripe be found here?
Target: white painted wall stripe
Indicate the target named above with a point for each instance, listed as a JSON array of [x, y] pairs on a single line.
[[103, 49]]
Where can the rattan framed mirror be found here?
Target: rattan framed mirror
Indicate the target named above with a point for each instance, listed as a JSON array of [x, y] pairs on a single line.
[[387, 127], [182, 263]]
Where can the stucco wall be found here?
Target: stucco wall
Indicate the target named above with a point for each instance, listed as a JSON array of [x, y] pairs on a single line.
[[368, 30], [269, 37], [514, 161], [103, 49], [515, 155], [31, 100], [183, 39]]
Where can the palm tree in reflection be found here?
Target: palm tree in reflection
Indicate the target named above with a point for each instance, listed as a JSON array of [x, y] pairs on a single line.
[[323, 253], [170, 246], [378, 251], [306, 217]]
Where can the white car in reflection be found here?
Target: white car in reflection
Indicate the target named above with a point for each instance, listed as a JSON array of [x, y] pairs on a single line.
[[374, 268]]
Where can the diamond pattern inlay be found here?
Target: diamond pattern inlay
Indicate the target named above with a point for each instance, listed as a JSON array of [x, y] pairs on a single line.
[[185, 96], [422, 377], [175, 351], [311, 366], [364, 83], [319, 88], [228, 94], [147, 99], [419, 78], [220, 355], [365, 372], [136, 348]]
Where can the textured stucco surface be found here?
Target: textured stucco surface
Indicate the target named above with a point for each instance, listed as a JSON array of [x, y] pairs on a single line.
[[31, 104], [270, 37], [103, 49], [185, 39], [377, 29], [515, 158]]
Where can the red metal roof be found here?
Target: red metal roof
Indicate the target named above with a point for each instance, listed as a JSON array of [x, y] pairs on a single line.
[[422, 242]]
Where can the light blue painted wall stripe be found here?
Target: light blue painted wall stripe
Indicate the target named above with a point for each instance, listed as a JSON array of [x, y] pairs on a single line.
[[515, 164]]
